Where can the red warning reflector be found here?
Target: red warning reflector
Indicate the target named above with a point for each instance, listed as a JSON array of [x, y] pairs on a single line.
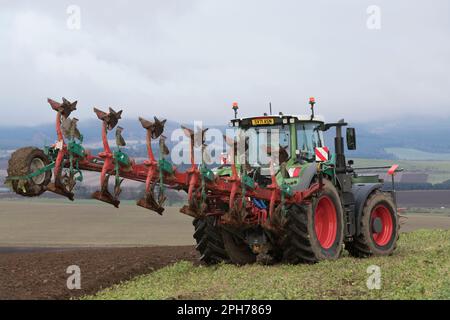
[[224, 158], [321, 154], [391, 171], [294, 172]]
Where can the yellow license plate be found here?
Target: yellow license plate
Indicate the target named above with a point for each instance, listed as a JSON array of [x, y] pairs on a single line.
[[263, 122]]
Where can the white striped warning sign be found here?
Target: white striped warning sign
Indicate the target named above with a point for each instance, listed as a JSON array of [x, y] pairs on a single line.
[[321, 154]]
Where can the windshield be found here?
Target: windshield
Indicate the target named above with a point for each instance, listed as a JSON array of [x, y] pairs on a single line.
[[308, 138], [264, 144]]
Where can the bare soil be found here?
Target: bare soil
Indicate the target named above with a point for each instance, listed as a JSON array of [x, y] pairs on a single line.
[[41, 274]]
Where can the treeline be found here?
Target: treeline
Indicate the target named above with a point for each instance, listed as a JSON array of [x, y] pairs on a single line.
[[420, 186]]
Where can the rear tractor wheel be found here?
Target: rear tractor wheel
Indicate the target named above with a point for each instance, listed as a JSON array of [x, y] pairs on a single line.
[[24, 162], [379, 227], [315, 232], [208, 236]]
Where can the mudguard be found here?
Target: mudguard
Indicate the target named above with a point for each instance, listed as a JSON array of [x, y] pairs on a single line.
[[361, 192], [306, 178]]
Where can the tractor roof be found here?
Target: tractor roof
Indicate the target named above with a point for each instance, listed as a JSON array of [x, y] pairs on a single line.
[[267, 120]]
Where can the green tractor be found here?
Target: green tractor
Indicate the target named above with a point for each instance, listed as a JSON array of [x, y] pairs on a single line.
[[349, 210]]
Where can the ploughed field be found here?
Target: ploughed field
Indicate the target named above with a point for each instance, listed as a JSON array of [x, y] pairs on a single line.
[[41, 274]]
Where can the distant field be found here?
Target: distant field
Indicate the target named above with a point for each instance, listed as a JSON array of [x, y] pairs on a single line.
[[414, 154], [418, 270], [438, 171]]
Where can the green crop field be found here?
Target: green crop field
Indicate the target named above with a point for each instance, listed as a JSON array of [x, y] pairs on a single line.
[[419, 269]]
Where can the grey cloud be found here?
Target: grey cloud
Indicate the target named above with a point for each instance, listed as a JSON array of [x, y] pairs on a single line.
[[188, 60]]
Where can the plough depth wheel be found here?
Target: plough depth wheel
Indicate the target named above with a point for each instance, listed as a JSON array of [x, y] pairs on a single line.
[[23, 164]]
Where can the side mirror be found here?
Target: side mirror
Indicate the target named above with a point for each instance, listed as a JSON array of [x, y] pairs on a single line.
[[351, 139]]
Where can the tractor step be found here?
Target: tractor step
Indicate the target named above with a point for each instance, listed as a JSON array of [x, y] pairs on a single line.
[[106, 197]]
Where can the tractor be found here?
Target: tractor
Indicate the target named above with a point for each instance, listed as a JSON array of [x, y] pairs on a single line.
[[279, 195]]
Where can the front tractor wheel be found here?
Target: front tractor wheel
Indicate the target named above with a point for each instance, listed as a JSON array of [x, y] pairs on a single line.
[[315, 232], [379, 227], [237, 249], [209, 241], [25, 162]]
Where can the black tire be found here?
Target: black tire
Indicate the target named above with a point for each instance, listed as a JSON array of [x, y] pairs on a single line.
[[209, 241], [237, 250], [303, 243], [23, 162], [369, 242]]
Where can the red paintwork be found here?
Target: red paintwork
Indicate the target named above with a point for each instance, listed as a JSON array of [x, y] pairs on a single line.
[[106, 155], [63, 151], [392, 170], [383, 237], [325, 222]]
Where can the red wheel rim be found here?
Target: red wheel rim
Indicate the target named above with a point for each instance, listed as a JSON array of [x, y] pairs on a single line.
[[382, 213], [325, 222]]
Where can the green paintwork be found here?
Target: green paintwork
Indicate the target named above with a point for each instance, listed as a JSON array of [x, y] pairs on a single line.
[[33, 174], [293, 133], [328, 167], [286, 190], [76, 148], [51, 153], [206, 173], [165, 165], [122, 158], [249, 182], [223, 171]]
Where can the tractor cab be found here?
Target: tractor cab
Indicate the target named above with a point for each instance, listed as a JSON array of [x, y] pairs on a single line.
[[278, 138]]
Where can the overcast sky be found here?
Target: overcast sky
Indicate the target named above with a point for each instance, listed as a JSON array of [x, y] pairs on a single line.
[[189, 60]]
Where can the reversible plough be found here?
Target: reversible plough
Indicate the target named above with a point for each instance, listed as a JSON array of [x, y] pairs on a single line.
[[206, 192]]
